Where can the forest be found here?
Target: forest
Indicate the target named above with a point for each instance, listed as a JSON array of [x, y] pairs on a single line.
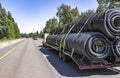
[[8, 27]]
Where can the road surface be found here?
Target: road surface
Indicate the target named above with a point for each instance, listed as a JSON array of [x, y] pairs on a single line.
[[29, 59]]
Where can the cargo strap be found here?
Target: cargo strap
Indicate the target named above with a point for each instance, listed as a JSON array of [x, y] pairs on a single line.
[[73, 49], [84, 25], [61, 39], [62, 45], [53, 33], [62, 31], [67, 35]]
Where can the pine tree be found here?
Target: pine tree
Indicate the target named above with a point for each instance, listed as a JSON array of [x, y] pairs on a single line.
[[8, 27]]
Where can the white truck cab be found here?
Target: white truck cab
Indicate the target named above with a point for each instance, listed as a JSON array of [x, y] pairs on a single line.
[[44, 40]]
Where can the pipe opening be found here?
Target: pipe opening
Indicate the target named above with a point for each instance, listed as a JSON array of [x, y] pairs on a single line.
[[117, 48], [117, 22], [98, 46]]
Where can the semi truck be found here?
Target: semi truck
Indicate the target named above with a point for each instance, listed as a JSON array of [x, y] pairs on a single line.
[[91, 42]]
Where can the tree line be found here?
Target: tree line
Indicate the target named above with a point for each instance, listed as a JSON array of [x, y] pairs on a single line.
[[8, 27], [65, 14], [32, 35]]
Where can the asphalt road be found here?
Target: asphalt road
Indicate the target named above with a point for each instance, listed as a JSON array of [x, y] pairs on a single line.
[[29, 59]]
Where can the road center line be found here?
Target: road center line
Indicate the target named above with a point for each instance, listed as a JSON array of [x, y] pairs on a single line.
[[8, 52]]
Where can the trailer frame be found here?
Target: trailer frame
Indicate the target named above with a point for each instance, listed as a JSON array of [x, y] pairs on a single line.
[[79, 61]]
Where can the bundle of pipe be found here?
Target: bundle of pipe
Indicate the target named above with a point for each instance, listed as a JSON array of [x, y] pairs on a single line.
[[51, 39], [92, 45], [116, 48], [106, 22], [59, 29], [114, 56]]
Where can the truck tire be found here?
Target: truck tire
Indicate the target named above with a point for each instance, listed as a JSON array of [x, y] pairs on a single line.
[[44, 45], [64, 57], [60, 55]]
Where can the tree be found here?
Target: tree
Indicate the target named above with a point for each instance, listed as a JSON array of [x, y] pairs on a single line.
[[37, 33], [100, 8], [11, 29], [75, 14], [66, 15], [103, 5], [0, 6], [114, 4], [31, 34], [87, 13], [41, 34], [51, 23], [10, 16], [17, 31], [24, 35], [107, 4], [3, 25]]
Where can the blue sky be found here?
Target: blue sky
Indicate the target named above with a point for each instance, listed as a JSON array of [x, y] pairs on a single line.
[[31, 15]]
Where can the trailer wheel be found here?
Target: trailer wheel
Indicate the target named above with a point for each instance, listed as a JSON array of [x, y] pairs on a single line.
[[64, 57], [44, 45], [60, 55]]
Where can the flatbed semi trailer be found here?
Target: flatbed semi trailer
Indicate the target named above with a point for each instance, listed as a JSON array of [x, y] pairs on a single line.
[[91, 42], [83, 64]]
